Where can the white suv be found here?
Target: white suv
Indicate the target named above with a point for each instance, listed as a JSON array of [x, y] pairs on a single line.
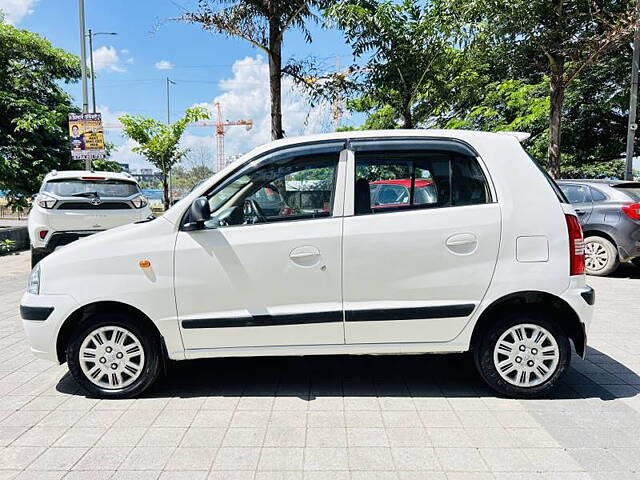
[[75, 204], [288, 251]]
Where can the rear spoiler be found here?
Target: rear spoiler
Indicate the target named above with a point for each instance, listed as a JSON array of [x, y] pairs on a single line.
[[520, 136]]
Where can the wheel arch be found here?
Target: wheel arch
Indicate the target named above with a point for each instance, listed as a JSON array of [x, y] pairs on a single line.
[[86, 311], [593, 232], [538, 301]]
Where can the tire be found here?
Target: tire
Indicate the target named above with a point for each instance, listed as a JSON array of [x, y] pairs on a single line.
[[135, 360], [636, 261], [601, 256], [36, 256], [488, 352]]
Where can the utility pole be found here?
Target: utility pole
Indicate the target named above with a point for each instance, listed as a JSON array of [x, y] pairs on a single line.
[[93, 75], [633, 98], [83, 58], [83, 68], [170, 82]]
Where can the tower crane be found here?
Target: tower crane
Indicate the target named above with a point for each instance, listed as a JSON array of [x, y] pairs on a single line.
[[219, 124], [220, 131]]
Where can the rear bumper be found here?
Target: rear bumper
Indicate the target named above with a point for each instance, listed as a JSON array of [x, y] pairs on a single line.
[[59, 239], [581, 298]]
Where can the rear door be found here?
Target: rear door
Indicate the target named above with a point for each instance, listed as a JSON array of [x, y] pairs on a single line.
[[580, 198], [415, 268]]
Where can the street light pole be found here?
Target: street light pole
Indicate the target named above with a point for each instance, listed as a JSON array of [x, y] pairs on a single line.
[[633, 98], [83, 60], [93, 75], [170, 82]]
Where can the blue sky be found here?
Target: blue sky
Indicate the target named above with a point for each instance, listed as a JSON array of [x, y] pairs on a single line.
[[205, 67]]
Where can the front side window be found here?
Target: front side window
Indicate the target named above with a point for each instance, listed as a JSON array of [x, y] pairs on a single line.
[[288, 189], [388, 181]]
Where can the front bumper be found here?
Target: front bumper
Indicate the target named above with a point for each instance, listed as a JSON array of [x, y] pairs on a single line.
[[42, 334]]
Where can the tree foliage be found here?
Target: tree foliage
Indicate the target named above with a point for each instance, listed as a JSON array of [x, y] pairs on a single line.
[[557, 39], [262, 23], [34, 110], [158, 142], [410, 57]]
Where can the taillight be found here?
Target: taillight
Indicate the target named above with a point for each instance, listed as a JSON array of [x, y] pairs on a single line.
[[42, 234], [576, 245], [632, 210]]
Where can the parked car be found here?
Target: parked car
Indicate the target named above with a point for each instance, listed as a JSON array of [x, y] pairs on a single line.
[[491, 263], [609, 211], [74, 204]]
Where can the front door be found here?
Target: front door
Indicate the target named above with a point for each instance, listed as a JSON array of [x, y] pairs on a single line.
[[421, 245], [268, 271]]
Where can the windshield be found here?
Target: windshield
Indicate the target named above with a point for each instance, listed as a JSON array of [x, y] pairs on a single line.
[[104, 188]]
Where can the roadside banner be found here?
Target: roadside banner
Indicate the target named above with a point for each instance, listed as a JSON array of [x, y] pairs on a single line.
[[87, 136]]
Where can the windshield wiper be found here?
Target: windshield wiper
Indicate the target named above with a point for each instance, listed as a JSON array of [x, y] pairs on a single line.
[[86, 194]]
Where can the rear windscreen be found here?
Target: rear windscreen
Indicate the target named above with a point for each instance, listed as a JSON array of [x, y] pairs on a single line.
[[103, 188], [631, 189]]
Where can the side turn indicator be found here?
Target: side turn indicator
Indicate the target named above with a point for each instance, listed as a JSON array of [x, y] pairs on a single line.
[[144, 263]]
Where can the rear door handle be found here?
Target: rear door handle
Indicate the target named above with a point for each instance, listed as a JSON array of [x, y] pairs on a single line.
[[462, 243]]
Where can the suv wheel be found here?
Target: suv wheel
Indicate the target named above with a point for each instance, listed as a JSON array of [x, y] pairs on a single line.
[[601, 256], [636, 262], [523, 355], [113, 358]]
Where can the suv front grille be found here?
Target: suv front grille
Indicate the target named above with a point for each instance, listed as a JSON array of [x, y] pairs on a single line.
[[89, 206]]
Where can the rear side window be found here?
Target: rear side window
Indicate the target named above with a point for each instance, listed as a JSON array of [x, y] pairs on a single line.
[[576, 193], [631, 189], [391, 181], [80, 188], [597, 195]]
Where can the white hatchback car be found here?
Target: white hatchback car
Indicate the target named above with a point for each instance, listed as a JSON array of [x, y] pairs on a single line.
[[74, 204], [291, 250]]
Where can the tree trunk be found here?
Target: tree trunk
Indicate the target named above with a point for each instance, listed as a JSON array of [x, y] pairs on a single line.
[[557, 87], [407, 114], [165, 189], [275, 78]]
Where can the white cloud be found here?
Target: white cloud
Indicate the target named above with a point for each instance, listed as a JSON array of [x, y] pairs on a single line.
[[246, 97], [124, 154], [164, 65], [16, 10], [107, 58]]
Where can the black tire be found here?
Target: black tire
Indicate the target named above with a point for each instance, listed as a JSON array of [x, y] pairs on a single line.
[[636, 261], [608, 249], [149, 340], [36, 256], [486, 344]]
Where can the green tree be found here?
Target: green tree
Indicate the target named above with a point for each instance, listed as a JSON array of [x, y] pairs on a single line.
[[410, 60], [557, 39], [34, 110], [594, 131], [159, 143], [262, 23]]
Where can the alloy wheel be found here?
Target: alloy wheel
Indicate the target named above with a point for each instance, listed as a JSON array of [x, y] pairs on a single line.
[[595, 256]]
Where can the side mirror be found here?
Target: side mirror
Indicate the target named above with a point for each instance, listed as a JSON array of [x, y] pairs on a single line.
[[199, 213]]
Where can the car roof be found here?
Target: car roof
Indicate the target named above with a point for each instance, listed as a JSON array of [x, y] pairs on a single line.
[[73, 174], [600, 181]]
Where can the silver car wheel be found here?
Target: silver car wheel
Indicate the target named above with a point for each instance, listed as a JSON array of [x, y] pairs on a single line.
[[596, 256], [111, 357], [526, 355]]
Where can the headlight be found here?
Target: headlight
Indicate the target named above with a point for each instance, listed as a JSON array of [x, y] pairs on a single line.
[[34, 280], [45, 201], [139, 201]]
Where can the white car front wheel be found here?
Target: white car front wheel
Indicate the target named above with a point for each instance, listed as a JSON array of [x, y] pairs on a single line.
[[113, 357]]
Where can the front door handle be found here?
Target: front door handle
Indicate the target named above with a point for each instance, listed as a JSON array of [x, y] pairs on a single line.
[[305, 256]]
